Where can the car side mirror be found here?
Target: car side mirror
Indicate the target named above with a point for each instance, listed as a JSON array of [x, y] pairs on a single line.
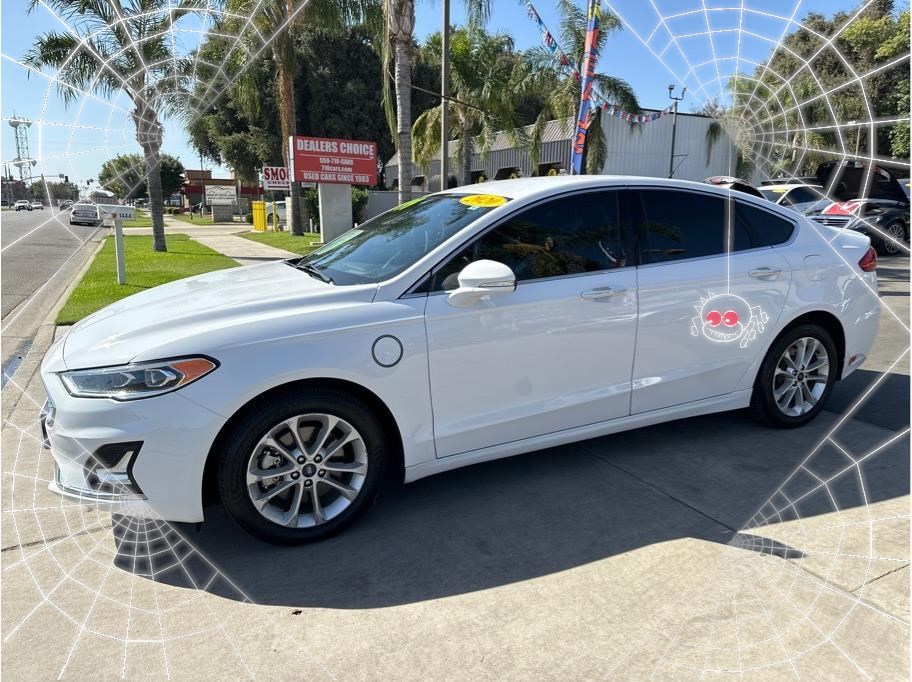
[[482, 279]]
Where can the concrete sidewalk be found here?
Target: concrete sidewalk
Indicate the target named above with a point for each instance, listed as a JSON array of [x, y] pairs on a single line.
[[221, 238]]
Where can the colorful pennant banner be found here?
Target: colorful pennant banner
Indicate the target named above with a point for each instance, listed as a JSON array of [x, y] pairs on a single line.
[[590, 58], [550, 42]]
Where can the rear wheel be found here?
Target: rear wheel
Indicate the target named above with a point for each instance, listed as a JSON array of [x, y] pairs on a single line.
[[302, 467], [895, 235], [796, 377]]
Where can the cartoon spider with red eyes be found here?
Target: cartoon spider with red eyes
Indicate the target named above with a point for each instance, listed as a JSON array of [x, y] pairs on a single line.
[[725, 318]]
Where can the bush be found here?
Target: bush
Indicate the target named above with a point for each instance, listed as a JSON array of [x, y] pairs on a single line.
[[359, 203], [249, 218]]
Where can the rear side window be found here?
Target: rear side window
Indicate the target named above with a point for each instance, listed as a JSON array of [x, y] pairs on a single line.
[[684, 225], [765, 228]]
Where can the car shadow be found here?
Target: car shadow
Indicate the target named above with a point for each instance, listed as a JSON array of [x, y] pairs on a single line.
[[532, 515]]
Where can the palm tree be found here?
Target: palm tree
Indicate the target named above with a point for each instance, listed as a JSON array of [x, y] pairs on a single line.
[[483, 71], [396, 46], [545, 74], [113, 48]]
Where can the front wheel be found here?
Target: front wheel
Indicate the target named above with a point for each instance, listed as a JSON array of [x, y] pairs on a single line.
[[303, 466], [796, 377]]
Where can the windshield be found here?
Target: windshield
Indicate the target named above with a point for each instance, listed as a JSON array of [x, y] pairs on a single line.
[[772, 194], [388, 244]]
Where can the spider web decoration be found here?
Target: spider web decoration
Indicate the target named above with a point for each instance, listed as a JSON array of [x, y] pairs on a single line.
[[133, 597]]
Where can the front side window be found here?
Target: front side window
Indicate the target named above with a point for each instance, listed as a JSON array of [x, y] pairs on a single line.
[[385, 246], [801, 195], [567, 236]]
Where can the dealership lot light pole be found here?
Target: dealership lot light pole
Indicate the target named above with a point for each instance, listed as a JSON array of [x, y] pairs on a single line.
[[444, 97], [674, 125]]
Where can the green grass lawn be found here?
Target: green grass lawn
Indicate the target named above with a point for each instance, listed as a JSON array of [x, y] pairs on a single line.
[[285, 240], [145, 269]]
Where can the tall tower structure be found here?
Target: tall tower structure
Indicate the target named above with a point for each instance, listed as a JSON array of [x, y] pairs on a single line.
[[23, 160]]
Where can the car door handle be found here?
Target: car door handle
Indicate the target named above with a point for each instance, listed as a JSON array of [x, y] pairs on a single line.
[[600, 292], [765, 273]]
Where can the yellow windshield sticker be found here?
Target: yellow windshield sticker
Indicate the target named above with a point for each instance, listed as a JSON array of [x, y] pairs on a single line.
[[780, 191], [483, 200]]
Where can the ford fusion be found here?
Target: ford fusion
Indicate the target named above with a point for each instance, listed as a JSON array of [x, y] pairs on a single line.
[[457, 328]]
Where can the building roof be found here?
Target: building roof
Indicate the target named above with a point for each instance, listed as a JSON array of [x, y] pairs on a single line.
[[559, 130]]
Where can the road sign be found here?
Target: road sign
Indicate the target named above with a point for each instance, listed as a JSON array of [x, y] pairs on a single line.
[[275, 177], [332, 161]]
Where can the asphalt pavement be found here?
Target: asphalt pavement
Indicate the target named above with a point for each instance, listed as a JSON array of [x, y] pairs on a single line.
[[707, 548], [40, 252]]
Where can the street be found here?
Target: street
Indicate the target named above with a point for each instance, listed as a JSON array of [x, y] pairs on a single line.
[[34, 246], [41, 252], [711, 546]]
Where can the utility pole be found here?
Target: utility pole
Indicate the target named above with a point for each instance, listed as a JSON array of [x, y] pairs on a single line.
[[444, 97], [674, 125]]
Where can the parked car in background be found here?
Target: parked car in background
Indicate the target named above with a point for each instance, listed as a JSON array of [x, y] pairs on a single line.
[[4, 203], [886, 222], [797, 196], [65, 204], [37, 206], [276, 213], [536, 312], [84, 214], [729, 182], [23, 205], [882, 215]]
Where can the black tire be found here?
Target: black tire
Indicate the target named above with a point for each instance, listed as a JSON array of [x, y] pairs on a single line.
[[885, 247], [243, 437], [763, 403]]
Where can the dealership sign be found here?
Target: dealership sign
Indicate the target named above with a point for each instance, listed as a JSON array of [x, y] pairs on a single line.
[[331, 161], [220, 195], [275, 177]]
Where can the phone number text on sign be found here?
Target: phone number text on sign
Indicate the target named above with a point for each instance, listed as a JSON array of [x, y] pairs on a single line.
[[322, 159]]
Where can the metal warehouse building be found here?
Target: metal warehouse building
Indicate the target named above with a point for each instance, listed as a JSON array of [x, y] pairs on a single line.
[[632, 149]]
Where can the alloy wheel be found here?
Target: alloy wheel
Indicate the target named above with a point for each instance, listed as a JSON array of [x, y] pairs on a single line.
[[306, 470], [801, 376], [895, 234]]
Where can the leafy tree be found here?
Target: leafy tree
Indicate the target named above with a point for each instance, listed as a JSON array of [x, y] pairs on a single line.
[[123, 175], [545, 74], [116, 47], [857, 73], [52, 192]]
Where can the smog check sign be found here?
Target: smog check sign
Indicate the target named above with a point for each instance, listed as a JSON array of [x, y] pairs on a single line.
[[275, 177], [332, 161]]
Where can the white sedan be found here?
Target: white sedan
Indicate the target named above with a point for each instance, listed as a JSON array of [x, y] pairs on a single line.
[[456, 328]]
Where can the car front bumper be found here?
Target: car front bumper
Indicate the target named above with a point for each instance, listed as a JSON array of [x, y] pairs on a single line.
[[142, 458]]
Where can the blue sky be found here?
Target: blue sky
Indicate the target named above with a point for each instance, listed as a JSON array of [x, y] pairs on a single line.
[[76, 140]]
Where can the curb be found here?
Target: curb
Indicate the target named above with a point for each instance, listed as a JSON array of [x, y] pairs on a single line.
[[17, 384]]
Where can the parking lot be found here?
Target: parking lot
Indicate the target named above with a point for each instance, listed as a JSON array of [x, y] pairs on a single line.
[[705, 548]]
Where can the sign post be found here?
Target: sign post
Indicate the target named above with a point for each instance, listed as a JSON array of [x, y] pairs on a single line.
[[335, 165], [118, 213]]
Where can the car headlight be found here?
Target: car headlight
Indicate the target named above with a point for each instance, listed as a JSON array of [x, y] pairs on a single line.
[[134, 381]]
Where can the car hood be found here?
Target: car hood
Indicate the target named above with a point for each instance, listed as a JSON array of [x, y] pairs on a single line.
[[202, 313]]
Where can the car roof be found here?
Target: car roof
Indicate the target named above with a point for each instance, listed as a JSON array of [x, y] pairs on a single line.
[[790, 185], [543, 187]]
